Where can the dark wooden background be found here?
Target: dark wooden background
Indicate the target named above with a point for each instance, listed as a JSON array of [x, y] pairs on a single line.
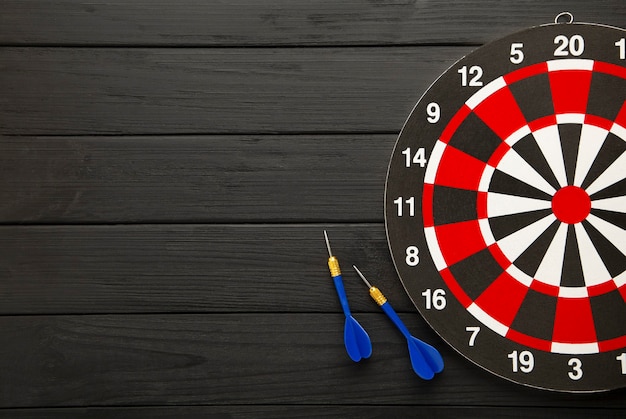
[[166, 171]]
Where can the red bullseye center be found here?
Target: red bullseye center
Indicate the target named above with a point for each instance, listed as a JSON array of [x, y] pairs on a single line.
[[571, 204]]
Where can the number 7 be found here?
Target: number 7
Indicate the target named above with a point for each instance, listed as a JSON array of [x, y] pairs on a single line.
[[474, 332]]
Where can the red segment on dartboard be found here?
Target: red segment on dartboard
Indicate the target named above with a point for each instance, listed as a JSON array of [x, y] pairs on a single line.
[[501, 113], [612, 344], [544, 288], [603, 288], [499, 256], [543, 122], [503, 298], [608, 68], [598, 121], [621, 116], [454, 123], [427, 205], [481, 205], [525, 72], [622, 291], [456, 289], [529, 341], [573, 321], [570, 90], [459, 170], [457, 241]]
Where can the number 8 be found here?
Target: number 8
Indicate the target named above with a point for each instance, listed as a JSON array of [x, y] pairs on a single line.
[[412, 258]]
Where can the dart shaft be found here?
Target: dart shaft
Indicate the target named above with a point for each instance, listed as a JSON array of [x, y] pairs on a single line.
[[381, 300], [341, 292], [391, 313]]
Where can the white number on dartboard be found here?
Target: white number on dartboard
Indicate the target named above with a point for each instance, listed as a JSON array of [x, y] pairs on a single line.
[[434, 299], [418, 158], [575, 45], [434, 112], [621, 44], [622, 359], [474, 332], [517, 55], [410, 203], [412, 256], [577, 371], [471, 77], [523, 361]]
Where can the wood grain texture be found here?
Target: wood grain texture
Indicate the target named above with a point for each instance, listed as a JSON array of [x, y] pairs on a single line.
[[193, 179], [166, 171], [55, 91], [312, 411], [235, 359], [283, 22], [190, 268]]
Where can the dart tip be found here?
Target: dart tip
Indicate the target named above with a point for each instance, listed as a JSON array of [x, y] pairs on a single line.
[[330, 253], [362, 276]]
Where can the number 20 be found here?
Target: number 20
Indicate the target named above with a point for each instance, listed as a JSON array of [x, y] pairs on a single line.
[[575, 45]]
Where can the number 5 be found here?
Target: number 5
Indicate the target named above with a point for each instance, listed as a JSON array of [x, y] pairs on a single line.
[[517, 56]]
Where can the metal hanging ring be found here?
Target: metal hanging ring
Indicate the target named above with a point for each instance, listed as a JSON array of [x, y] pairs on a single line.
[[566, 15]]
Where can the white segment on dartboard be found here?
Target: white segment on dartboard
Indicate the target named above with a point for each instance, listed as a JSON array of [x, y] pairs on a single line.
[[591, 140], [594, 270], [551, 266], [549, 142], [615, 234], [615, 204], [516, 243], [613, 174], [514, 165], [501, 204]]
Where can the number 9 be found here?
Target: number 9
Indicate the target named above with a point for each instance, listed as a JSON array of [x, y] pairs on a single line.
[[434, 112]]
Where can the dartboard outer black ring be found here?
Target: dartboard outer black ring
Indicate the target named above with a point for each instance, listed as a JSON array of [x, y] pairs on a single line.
[[505, 207]]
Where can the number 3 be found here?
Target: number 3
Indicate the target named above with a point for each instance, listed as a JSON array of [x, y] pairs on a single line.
[[577, 372]]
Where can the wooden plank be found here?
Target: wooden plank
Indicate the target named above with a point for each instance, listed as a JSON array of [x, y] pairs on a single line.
[[225, 359], [295, 22], [193, 179], [365, 411], [190, 268], [184, 91]]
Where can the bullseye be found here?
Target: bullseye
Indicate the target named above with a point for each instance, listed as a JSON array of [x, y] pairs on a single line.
[[571, 204]]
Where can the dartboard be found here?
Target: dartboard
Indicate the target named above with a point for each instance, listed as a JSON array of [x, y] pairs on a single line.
[[505, 207]]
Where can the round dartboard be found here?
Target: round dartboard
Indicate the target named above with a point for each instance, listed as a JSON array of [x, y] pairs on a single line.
[[505, 207]]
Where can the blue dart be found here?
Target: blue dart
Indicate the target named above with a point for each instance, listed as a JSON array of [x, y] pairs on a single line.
[[425, 359], [355, 338]]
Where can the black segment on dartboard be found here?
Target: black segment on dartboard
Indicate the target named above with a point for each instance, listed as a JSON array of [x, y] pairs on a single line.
[[612, 191], [570, 142], [616, 218], [529, 94], [572, 275], [452, 205], [528, 149], [506, 225], [475, 138], [506, 184], [530, 259], [609, 311], [611, 149], [606, 95], [535, 316], [476, 272], [612, 258]]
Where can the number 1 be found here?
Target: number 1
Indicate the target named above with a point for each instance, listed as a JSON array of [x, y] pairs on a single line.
[[621, 44]]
